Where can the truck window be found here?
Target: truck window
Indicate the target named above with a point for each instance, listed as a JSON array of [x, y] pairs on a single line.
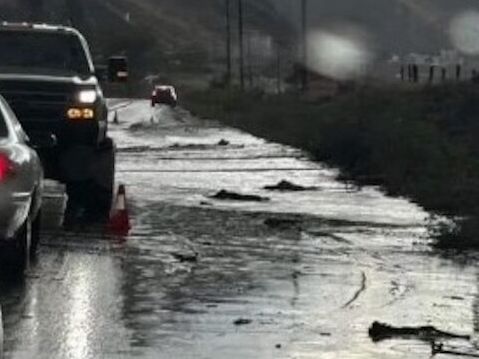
[[42, 53]]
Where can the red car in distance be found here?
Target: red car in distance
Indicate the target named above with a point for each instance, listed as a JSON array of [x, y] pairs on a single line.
[[164, 95]]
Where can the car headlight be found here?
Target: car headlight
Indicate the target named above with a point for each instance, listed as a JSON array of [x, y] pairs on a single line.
[[87, 96]]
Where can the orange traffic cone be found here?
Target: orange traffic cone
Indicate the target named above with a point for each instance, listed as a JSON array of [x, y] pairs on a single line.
[[119, 223]]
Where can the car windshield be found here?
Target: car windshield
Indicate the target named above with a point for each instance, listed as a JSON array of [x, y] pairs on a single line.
[[38, 52]]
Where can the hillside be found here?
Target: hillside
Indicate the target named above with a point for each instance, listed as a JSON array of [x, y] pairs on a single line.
[[171, 35]]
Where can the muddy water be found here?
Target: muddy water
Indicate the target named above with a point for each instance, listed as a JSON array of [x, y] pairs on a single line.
[[306, 272]]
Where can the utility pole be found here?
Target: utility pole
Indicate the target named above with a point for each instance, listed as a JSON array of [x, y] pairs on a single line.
[[228, 43], [249, 58], [304, 41], [278, 68], [241, 44]]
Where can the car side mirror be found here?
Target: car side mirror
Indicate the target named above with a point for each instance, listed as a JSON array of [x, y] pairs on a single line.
[[118, 69]]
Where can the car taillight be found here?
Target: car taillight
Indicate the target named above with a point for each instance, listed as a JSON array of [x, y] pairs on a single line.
[[6, 167]]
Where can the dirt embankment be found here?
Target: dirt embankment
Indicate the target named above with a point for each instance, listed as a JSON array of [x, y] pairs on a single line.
[[418, 143]]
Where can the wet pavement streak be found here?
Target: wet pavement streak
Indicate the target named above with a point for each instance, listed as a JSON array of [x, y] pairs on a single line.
[[302, 275]]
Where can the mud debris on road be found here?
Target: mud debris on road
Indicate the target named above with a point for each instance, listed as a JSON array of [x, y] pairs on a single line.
[[186, 257], [223, 142], [233, 196], [380, 331], [242, 321], [285, 186], [283, 223]]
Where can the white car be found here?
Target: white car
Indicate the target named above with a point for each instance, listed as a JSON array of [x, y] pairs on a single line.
[[21, 189]]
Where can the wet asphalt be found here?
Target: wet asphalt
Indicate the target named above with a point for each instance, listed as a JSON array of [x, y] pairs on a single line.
[[300, 274]]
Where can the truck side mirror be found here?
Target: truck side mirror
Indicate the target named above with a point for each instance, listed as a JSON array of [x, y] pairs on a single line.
[[101, 72], [118, 69]]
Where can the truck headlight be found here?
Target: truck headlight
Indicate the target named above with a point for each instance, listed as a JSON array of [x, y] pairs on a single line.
[[87, 96]]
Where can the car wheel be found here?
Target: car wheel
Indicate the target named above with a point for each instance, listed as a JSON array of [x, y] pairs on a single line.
[[18, 253], [36, 227]]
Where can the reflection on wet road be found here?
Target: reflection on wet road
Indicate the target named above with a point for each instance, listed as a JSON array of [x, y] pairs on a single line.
[[301, 275]]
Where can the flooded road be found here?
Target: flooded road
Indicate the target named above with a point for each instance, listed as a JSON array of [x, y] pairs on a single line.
[[299, 274]]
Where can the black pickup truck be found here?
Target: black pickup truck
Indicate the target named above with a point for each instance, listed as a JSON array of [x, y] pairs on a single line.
[[48, 78]]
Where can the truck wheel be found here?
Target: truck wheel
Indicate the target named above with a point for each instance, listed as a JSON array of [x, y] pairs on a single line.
[[90, 199], [103, 182], [77, 193]]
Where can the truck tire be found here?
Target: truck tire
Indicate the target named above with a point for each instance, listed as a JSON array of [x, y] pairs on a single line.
[[103, 182], [76, 192], [91, 199]]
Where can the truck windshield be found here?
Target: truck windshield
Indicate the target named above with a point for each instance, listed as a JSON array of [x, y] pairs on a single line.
[[43, 53]]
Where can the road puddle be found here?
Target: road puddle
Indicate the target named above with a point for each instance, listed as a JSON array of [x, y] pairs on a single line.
[[302, 275]]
